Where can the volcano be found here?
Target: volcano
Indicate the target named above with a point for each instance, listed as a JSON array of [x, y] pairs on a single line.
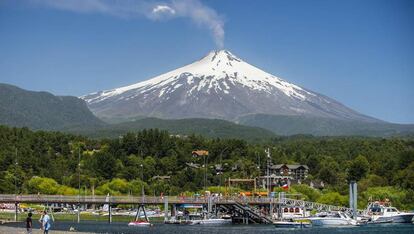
[[218, 86]]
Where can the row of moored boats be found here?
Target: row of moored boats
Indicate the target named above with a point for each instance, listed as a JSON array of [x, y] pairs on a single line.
[[376, 213]]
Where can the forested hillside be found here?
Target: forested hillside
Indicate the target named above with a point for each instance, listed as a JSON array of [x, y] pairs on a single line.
[[42, 110], [46, 162], [291, 125], [205, 127]]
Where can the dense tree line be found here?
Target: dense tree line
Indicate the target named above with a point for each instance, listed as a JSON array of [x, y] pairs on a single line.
[[47, 162]]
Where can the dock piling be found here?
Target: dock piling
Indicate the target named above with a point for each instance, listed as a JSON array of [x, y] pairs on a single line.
[[353, 198], [16, 205], [110, 213], [165, 208], [78, 213]]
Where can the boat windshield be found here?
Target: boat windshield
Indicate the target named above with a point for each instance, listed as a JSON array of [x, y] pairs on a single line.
[[375, 209], [336, 215], [346, 215], [392, 209]]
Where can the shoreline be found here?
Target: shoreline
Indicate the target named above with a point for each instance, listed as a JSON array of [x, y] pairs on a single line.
[[19, 230], [9, 217]]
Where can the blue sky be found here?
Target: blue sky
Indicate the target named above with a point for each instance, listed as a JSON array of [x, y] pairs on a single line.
[[360, 53]]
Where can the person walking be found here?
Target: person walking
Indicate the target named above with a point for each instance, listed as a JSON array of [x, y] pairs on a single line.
[[29, 223], [45, 223]]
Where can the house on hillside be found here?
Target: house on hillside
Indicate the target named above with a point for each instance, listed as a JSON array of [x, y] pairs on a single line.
[[296, 172], [284, 175]]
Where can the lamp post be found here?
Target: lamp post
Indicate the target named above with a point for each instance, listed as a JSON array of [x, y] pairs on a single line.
[[205, 174], [79, 184], [142, 179], [221, 165], [16, 163], [15, 187], [269, 187]]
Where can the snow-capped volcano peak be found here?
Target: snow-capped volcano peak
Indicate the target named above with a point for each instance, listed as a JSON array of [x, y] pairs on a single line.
[[224, 55], [215, 72], [219, 85]]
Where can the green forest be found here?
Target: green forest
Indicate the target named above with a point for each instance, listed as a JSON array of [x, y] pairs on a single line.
[[33, 162]]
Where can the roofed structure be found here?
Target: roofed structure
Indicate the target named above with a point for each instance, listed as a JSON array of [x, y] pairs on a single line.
[[295, 171]]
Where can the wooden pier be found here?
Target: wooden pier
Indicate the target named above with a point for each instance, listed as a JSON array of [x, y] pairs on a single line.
[[242, 205]]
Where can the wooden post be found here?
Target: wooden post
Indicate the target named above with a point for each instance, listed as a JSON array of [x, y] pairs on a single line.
[[174, 210], [110, 213], [271, 208], [93, 196], [209, 205], [229, 186], [165, 208], [16, 208], [247, 218], [354, 202], [79, 213], [351, 196]]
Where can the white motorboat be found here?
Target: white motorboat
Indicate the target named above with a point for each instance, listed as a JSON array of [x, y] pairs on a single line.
[[290, 224], [211, 221], [380, 212], [337, 218], [140, 223]]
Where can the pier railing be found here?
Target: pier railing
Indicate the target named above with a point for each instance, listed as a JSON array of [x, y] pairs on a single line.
[[62, 199], [96, 199]]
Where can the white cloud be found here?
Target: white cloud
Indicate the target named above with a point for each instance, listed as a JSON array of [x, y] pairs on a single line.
[[163, 9], [194, 10]]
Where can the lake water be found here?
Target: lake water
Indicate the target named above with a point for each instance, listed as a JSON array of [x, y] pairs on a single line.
[[101, 227]]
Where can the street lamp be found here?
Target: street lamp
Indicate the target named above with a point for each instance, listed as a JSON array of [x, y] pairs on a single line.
[[142, 179], [205, 173], [79, 184], [15, 186], [269, 187], [16, 163], [221, 165]]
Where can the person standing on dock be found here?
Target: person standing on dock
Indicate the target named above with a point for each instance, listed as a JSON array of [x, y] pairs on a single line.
[[29, 223]]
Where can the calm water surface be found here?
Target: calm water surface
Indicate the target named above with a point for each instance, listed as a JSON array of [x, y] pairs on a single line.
[[101, 227]]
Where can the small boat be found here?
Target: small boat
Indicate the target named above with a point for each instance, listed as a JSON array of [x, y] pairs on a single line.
[[179, 219], [380, 212], [210, 221], [139, 223], [290, 224], [333, 219]]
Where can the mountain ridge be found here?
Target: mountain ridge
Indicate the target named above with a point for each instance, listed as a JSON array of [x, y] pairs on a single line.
[[296, 125], [45, 111], [42, 110]]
